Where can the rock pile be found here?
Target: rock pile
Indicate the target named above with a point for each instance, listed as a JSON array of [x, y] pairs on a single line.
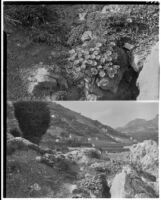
[[145, 156]]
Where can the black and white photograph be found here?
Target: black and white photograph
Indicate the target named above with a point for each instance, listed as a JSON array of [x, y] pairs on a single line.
[[82, 150], [80, 99], [100, 51]]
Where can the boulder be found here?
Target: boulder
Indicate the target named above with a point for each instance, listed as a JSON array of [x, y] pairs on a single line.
[[145, 156], [129, 184], [140, 179], [87, 35], [38, 74], [148, 80], [82, 16]]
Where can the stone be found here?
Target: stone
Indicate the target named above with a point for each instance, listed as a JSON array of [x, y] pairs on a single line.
[[128, 46], [87, 35], [128, 184], [145, 156], [82, 16], [148, 80]]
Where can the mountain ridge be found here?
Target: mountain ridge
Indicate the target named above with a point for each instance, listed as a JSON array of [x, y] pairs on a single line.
[[141, 129]]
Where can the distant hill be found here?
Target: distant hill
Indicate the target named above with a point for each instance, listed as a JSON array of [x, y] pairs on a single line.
[[141, 129], [79, 126]]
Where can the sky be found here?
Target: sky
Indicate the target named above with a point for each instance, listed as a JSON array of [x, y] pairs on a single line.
[[114, 113]]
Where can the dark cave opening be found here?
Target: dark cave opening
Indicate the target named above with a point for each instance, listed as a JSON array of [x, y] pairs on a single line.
[[33, 118]]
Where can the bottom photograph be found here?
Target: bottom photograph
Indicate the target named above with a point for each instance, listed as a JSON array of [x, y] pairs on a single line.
[[81, 150]]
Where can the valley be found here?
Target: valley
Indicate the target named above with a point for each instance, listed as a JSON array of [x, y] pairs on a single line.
[[67, 154]]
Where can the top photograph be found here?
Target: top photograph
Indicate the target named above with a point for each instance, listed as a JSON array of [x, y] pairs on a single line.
[[81, 52]]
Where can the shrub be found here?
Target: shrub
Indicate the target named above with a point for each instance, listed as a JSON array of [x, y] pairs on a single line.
[[33, 118]]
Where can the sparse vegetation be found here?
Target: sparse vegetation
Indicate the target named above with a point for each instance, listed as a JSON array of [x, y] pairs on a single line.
[[42, 21]]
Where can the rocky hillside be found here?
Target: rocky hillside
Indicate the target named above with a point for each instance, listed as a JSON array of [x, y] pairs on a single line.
[[80, 172], [141, 129]]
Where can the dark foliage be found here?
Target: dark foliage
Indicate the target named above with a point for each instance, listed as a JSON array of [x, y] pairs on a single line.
[[33, 118]]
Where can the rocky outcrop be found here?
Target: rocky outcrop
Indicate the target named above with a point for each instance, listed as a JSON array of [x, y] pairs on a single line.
[[19, 143], [148, 81], [129, 184], [44, 81], [145, 156], [87, 35], [139, 179]]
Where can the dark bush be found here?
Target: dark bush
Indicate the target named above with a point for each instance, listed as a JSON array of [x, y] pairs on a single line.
[[33, 118]]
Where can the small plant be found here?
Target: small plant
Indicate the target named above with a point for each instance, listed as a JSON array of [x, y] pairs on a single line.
[[94, 60]]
